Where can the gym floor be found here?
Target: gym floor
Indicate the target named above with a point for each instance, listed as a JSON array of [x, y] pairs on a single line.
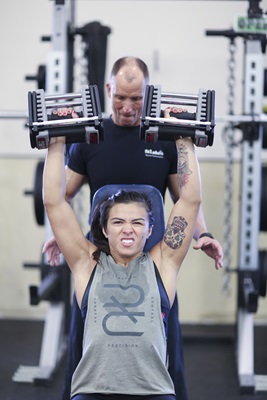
[[208, 351]]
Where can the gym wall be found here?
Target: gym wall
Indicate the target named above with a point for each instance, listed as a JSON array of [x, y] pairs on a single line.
[[170, 37]]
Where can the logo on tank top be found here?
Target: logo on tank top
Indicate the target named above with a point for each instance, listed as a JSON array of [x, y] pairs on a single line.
[[154, 153], [123, 316]]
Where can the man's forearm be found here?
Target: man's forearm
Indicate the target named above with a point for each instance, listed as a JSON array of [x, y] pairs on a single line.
[[201, 226]]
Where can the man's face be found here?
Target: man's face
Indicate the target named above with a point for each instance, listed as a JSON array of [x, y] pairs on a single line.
[[126, 99]]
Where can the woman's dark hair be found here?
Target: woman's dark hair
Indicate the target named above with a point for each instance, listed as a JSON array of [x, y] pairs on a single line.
[[101, 214]]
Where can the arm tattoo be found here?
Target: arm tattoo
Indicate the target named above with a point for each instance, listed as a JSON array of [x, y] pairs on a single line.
[[182, 166], [174, 234]]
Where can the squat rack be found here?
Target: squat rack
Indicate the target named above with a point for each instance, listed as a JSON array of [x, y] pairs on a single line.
[[252, 29], [54, 341]]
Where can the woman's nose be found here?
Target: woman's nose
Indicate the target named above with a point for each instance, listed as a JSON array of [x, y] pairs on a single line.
[[127, 228]]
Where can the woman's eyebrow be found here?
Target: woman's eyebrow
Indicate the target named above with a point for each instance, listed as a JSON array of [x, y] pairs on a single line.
[[122, 219]]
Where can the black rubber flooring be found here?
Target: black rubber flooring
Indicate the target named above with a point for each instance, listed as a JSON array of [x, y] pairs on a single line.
[[209, 353]]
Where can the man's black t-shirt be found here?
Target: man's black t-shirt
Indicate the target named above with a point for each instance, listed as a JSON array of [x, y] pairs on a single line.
[[122, 158]]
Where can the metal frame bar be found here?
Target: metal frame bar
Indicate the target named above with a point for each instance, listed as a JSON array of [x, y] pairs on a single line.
[[250, 211], [53, 347], [53, 341]]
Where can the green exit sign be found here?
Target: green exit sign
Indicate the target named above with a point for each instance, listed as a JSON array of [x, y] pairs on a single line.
[[251, 25]]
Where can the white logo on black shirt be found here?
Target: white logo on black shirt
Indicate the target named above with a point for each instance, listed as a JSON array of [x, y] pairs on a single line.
[[154, 153]]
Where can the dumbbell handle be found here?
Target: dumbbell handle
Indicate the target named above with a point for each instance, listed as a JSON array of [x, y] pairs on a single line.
[[183, 115], [64, 122], [191, 122], [180, 115]]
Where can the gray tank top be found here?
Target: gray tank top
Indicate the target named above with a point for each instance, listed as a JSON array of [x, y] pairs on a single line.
[[124, 345]]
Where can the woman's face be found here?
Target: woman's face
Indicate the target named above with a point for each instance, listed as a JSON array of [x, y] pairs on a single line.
[[127, 229]]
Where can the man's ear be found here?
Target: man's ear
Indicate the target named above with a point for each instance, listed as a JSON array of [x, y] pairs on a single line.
[[108, 89]]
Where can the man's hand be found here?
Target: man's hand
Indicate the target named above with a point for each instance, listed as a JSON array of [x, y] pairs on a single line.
[[53, 252], [177, 110], [65, 112], [212, 248]]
